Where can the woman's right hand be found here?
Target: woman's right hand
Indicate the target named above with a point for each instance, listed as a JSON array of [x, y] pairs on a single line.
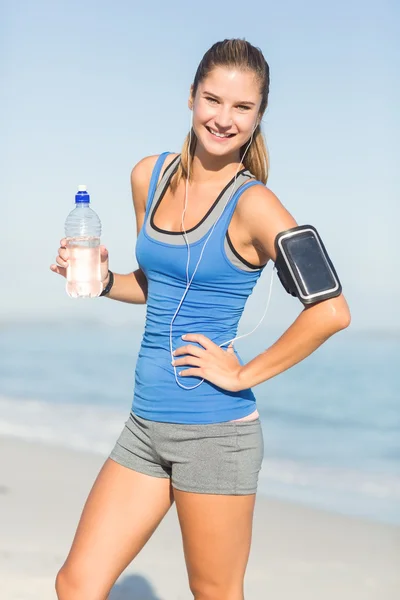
[[62, 261]]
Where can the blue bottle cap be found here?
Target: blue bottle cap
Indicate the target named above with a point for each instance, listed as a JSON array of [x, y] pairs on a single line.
[[82, 195]]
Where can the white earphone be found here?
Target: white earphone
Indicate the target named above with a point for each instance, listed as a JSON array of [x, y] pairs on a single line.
[[188, 282]]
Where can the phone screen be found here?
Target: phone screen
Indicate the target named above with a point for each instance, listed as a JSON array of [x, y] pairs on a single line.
[[307, 259]]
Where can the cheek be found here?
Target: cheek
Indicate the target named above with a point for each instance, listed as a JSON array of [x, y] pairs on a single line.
[[246, 122], [203, 115]]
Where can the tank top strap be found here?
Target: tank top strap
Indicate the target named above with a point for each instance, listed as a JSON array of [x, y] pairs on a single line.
[[154, 180], [244, 181]]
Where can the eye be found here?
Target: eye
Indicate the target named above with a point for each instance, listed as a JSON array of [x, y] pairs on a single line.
[[211, 99], [244, 107]]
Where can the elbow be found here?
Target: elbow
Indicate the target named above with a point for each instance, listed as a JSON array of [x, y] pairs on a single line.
[[331, 316], [343, 320], [340, 316]]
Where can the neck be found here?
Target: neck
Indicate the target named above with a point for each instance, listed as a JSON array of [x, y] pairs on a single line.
[[205, 168]]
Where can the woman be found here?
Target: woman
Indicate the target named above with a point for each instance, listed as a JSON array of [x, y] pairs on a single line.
[[194, 435]]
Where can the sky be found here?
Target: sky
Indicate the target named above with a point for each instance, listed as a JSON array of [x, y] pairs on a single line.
[[88, 88]]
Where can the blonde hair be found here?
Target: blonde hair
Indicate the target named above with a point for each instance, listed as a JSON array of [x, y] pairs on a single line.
[[240, 54]]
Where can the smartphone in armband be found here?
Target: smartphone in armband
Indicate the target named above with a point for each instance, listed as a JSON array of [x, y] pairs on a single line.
[[304, 267]]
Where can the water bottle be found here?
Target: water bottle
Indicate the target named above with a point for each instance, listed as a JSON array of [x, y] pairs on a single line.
[[83, 231]]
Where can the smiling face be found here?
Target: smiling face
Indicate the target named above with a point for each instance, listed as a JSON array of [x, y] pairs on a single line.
[[226, 109]]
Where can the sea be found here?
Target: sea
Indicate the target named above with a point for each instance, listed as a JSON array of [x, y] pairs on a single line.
[[331, 424]]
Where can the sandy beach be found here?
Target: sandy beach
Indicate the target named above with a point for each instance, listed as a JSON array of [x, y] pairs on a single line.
[[297, 552]]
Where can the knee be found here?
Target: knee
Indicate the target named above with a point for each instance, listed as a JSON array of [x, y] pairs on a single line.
[[74, 582], [65, 585], [69, 586], [215, 591], [61, 584]]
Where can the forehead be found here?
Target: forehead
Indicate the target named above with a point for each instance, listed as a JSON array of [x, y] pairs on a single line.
[[232, 83]]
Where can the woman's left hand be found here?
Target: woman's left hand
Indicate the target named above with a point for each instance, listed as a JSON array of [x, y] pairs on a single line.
[[218, 366]]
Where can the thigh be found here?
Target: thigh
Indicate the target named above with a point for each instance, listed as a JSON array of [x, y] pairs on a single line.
[[220, 458], [216, 532], [122, 511]]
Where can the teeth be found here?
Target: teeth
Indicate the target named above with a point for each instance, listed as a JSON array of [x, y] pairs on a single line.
[[222, 135]]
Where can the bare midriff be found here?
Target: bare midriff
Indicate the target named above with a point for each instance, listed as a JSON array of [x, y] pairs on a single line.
[[254, 415]]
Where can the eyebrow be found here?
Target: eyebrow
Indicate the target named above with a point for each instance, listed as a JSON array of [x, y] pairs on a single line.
[[218, 98]]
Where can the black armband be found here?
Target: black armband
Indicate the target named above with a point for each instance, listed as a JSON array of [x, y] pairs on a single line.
[[304, 267]]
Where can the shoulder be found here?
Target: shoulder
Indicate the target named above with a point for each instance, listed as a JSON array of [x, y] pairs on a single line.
[[264, 216], [259, 200], [142, 171], [141, 175]]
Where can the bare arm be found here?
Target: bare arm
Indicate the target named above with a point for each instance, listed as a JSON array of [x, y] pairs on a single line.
[[266, 217], [132, 287], [310, 330]]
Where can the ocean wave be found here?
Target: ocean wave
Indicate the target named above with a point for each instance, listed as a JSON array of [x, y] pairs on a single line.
[[338, 480], [78, 426]]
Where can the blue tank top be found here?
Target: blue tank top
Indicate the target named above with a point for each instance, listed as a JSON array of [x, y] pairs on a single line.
[[212, 306]]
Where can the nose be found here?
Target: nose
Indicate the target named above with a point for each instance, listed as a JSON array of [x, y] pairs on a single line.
[[223, 118]]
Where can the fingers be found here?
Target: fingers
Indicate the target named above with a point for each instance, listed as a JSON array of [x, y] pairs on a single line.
[[188, 360], [197, 372], [189, 349], [103, 254], [59, 270], [62, 258], [200, 339]]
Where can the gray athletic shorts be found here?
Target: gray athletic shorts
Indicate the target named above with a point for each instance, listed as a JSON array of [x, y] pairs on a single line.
[[216, 458]]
